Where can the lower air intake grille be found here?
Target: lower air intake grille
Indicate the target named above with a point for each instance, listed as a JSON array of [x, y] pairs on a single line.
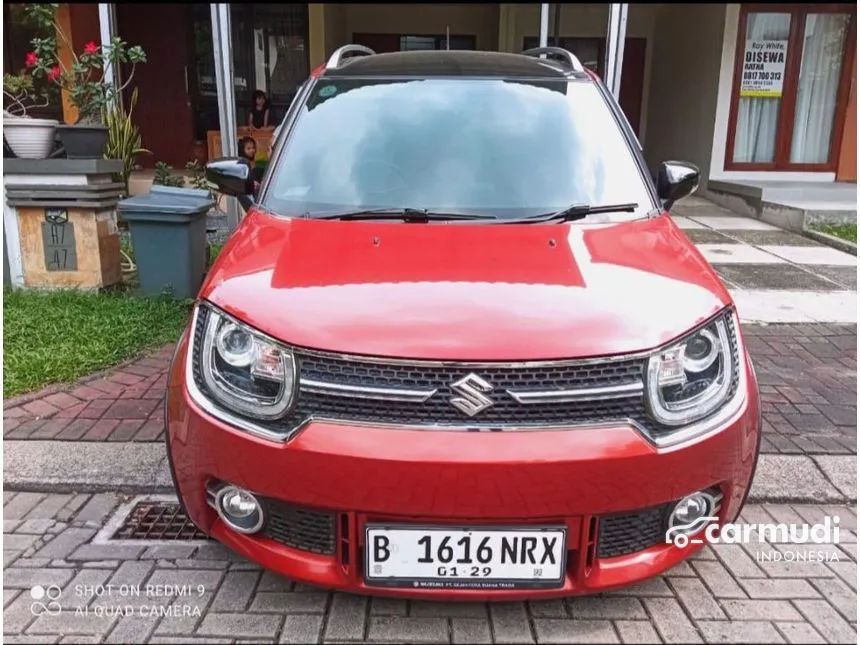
[[631, 532], [301, 528], [634, 531]]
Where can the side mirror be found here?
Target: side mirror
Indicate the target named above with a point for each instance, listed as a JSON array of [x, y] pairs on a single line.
[[676, 180], [232, 175]]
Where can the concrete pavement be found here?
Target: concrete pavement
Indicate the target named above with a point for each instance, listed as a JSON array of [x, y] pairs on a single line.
[[189, 592]]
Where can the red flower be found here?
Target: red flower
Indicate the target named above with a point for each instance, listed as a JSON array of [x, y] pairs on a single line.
[[54, 73], [32, 60], [91, 48]]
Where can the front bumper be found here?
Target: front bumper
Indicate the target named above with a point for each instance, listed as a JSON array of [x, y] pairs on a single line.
[[357, 475]]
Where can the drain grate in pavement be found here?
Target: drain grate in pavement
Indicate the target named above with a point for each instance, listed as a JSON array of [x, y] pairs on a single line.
[[155, 520]]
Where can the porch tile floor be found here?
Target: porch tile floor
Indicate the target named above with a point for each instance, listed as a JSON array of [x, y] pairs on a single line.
[[736, 254], [818, 255], [733, 223]]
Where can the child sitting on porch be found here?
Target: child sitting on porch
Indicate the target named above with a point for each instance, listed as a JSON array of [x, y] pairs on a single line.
[[259, 113], [248, 150]]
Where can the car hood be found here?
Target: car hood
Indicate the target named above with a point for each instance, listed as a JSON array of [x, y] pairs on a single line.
[[465, 291]]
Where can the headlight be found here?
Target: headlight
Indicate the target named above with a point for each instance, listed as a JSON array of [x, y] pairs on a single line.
[[243, 370], [692, 378]]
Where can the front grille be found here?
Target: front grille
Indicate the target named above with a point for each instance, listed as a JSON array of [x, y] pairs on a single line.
[[438, 410], [505, 411], [631, 532]]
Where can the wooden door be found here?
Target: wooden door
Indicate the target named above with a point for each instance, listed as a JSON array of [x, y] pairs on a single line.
[[846, 169], [163, 111], [632, 80]]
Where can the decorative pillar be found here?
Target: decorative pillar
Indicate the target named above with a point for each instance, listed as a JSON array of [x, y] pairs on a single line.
[[222, 41], [59, 221], [316, 35], [616, 32], [544, 25], [79, 24], [507, 24], [107, 31]]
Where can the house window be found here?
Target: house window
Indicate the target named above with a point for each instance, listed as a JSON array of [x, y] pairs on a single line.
[[790, 87], [418, 43]]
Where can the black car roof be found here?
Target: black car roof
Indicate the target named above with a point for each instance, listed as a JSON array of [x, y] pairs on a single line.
[[452, 63]]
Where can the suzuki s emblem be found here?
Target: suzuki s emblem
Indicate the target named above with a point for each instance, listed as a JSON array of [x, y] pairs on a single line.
[[472, 399]]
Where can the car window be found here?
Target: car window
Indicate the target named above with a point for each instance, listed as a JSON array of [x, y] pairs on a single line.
[[505, 148]]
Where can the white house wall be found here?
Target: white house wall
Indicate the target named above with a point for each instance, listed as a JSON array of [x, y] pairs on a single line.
[[685, 69]]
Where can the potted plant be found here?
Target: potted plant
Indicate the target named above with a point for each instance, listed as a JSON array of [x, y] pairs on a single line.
[[27, 137], [83, 80], [124, 141]]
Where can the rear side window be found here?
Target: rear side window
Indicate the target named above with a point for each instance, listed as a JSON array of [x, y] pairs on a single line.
[[489, 146]]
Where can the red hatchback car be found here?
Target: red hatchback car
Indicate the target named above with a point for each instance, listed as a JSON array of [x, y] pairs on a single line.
[[457, 348]]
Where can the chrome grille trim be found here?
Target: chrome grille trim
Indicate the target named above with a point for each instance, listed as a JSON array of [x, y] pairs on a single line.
[[629, 390], [365, 392], [472, 365]]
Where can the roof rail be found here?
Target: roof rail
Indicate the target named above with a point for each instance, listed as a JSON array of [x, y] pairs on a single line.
[[558, 52], [341, 52]]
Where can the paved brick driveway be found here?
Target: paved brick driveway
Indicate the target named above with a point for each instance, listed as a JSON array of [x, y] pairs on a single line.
[[722, 596]]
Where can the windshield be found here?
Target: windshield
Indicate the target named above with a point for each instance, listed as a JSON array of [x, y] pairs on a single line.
[[500, 148]]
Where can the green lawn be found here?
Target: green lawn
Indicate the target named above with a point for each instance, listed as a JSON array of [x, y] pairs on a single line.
[[842, 231], [58, 336]]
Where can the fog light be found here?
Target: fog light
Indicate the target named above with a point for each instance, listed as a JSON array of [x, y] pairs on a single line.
[[690, 516], [240, 509]]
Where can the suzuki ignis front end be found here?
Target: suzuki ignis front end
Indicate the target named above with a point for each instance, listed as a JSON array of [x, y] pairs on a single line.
[[457, 347]]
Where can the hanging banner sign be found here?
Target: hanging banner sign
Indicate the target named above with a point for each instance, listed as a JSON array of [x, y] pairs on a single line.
[[764, 68]]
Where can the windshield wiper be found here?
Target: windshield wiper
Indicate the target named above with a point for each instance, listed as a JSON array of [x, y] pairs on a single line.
[[405, 214], [577, 211]]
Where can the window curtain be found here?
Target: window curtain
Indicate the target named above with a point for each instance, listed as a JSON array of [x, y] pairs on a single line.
[[818, 87], [758, 117]]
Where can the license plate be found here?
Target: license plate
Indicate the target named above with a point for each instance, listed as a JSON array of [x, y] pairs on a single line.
[[465, 558]]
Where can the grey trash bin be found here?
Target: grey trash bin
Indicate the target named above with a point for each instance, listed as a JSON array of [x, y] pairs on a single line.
[[168, 232]]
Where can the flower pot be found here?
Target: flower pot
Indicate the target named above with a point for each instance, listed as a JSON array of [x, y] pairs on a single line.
[[83, 141], [29, 138]]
